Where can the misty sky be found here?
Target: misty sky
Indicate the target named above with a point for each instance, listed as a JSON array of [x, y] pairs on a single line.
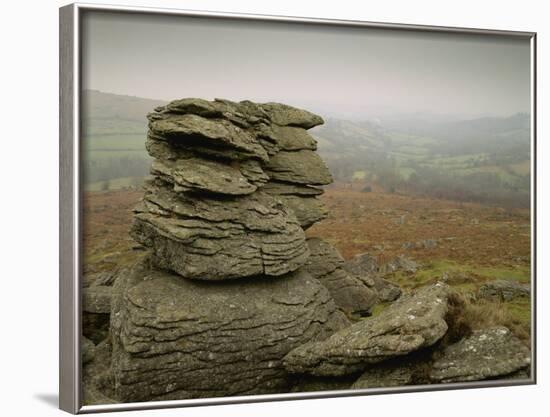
[[333, 70]]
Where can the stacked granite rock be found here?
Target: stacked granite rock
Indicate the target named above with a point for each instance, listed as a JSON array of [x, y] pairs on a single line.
[[230, 287]]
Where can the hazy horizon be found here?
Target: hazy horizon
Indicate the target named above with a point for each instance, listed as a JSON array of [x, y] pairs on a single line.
[[338, 71]]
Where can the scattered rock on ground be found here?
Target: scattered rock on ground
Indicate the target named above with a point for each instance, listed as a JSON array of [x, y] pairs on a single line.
[[487, 353], [400, 263], [504, 290]]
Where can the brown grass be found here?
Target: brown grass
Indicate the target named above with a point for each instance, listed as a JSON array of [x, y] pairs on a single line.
[[467, 314], [380, 223]]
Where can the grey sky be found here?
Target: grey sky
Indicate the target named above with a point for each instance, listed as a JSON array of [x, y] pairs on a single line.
[[335, 70]]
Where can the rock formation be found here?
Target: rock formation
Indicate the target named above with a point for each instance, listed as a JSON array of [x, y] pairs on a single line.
[[227, 291], [232, 299], [233, 186]]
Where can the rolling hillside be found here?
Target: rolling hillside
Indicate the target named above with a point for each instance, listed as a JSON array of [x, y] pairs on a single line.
[[484, 160]]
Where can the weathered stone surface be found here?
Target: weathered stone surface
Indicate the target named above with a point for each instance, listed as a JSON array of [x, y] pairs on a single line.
[[202, 175], [175, 338], [308, 210], [411, 323], [191, 129], [362, 264], [290, 138], [488, 353], [300, 167], [366, 268], [387, 291], [283, 188], [95, 326], [169, 154], [400, 263], [504, 290], [97, 299], [99, 278], [97, 378], [215, 239], [285, 115], [307, 383], [349, 293], [88, 350], [385, 376]]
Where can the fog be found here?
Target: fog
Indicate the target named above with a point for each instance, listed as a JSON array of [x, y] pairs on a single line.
[[336, 71]]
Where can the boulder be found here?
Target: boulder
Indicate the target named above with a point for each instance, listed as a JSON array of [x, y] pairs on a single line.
[[504, 290], [411, 323], [175, 338], [487, 353], [215, 239], [350, 294]]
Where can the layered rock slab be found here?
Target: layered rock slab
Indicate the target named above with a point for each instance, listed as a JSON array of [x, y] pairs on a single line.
[[487, 353], [411, 323], [326, 264], [299, 167], [301, 199], [215, 239], [177, 338]]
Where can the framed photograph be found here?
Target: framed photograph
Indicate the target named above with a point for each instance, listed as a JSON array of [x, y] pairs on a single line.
[[258, 208]]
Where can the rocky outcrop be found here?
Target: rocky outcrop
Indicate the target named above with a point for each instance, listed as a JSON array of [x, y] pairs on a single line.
[[232, 188], [504, 290], [180, 338], [349, 293], [411, 323], [487, 353]]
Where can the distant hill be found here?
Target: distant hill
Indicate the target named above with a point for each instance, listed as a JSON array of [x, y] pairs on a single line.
[[485, 159], [108, 114], [114, 130]]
